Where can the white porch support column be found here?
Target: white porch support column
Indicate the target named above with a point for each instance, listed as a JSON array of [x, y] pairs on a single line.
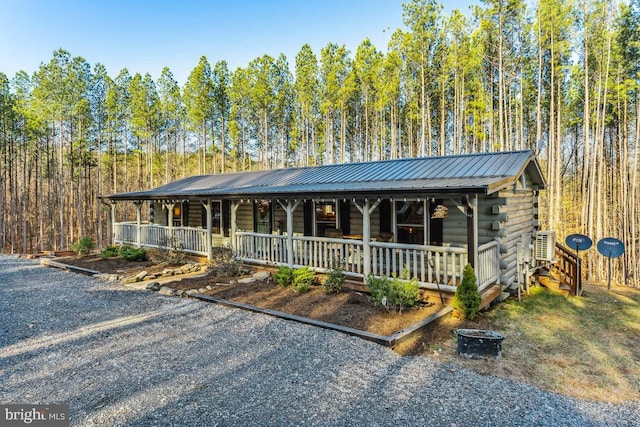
[[233, 226], [169, 238], [289, 209], [366, 210], [138, 223], [169, 207], [207, 208], [112, 215]]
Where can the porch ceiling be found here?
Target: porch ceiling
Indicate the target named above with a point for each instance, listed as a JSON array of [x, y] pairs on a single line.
[[428, 176]]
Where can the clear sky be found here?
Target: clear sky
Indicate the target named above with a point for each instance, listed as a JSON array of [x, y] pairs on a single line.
[[147, 35]]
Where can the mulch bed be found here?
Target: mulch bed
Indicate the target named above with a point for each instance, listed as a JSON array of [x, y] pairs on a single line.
[[349, 308]]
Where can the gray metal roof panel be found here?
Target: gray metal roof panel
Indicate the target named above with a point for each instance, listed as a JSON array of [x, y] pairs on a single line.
[[446, 173]]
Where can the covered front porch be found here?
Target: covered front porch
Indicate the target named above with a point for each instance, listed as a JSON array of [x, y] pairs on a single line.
[[358, 255]]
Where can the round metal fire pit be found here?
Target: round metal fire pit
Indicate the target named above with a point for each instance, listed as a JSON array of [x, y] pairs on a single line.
[[478, 343]]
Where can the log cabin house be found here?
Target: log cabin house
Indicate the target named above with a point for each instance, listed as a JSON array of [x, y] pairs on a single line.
[[422, 217]]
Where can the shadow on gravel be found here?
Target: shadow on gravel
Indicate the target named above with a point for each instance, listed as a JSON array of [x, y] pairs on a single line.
[[49, 316]]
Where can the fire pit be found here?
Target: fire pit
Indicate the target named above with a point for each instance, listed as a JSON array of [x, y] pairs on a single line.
[[478, 343]]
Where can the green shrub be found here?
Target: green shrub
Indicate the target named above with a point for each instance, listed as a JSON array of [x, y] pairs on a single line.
[[467, 299], [302, 279], [83, 246], [132, 254], [393, 294], [224, 263], [110, 252], [284, 276], [335, 279], [172, 252]]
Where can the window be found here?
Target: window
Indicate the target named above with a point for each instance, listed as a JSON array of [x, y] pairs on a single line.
[[216, 217], [262, 217], [326, 217], [177, 215], [410, 222]]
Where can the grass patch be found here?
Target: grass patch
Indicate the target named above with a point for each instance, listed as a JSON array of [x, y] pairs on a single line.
[[585, 346]]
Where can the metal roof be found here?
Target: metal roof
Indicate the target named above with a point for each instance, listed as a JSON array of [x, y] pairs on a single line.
[[474, 173]]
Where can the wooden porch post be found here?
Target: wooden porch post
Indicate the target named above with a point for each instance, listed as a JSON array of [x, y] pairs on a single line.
[[472, 229], [207, 207], [366, 237], [366, 210], [138, 223], [170, 217], [232, 227], [289, 209], [113, 222]]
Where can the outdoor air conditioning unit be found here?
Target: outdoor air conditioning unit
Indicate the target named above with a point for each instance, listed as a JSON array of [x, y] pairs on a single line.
[[545, 246]]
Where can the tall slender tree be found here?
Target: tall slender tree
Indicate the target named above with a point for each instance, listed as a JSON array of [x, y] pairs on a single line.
[[199, 105]]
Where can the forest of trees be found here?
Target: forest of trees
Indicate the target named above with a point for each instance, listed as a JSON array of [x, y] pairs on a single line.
[[561, 77]]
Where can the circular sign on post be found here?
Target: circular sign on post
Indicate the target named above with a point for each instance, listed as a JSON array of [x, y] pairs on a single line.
[[578, 242], [610, 247]]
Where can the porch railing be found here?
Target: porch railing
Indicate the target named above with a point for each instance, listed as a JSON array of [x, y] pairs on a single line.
[[319, 253], [488, 269], [432, 266], [565, 269], [187, 239], [261, 248], [125, 232]]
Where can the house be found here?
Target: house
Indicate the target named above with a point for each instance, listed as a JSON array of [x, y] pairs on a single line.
[[420, 217]]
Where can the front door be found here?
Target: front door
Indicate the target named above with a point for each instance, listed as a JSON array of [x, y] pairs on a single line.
[[435, 225], [262, 216], [262, 224]]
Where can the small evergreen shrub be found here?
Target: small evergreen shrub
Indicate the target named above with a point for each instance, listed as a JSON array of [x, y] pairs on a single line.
[[393, 294], [335, 279], [110, 252], [133, 254], [83, 246], [302, 279], [467, 299], [284, 276]]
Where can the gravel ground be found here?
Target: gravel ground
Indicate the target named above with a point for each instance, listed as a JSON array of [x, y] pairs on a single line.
[[121, 357]]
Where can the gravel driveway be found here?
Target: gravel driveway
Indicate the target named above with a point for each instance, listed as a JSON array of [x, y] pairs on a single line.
[[121, 357]]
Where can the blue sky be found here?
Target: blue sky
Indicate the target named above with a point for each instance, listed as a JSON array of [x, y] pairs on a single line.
[[145, 36]]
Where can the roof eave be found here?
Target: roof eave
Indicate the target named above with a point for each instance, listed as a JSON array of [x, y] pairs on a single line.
[[288, 194]]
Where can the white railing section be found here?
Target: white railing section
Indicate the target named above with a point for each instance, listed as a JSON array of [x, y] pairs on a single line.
[[319, 253], [187, 239], [154, 235], [488, 269], [430, 265], [125, 232], [261, 248]]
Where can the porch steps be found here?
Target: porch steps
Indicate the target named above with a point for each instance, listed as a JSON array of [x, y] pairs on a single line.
[[489, 295], [503, 296], [554, 285]]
